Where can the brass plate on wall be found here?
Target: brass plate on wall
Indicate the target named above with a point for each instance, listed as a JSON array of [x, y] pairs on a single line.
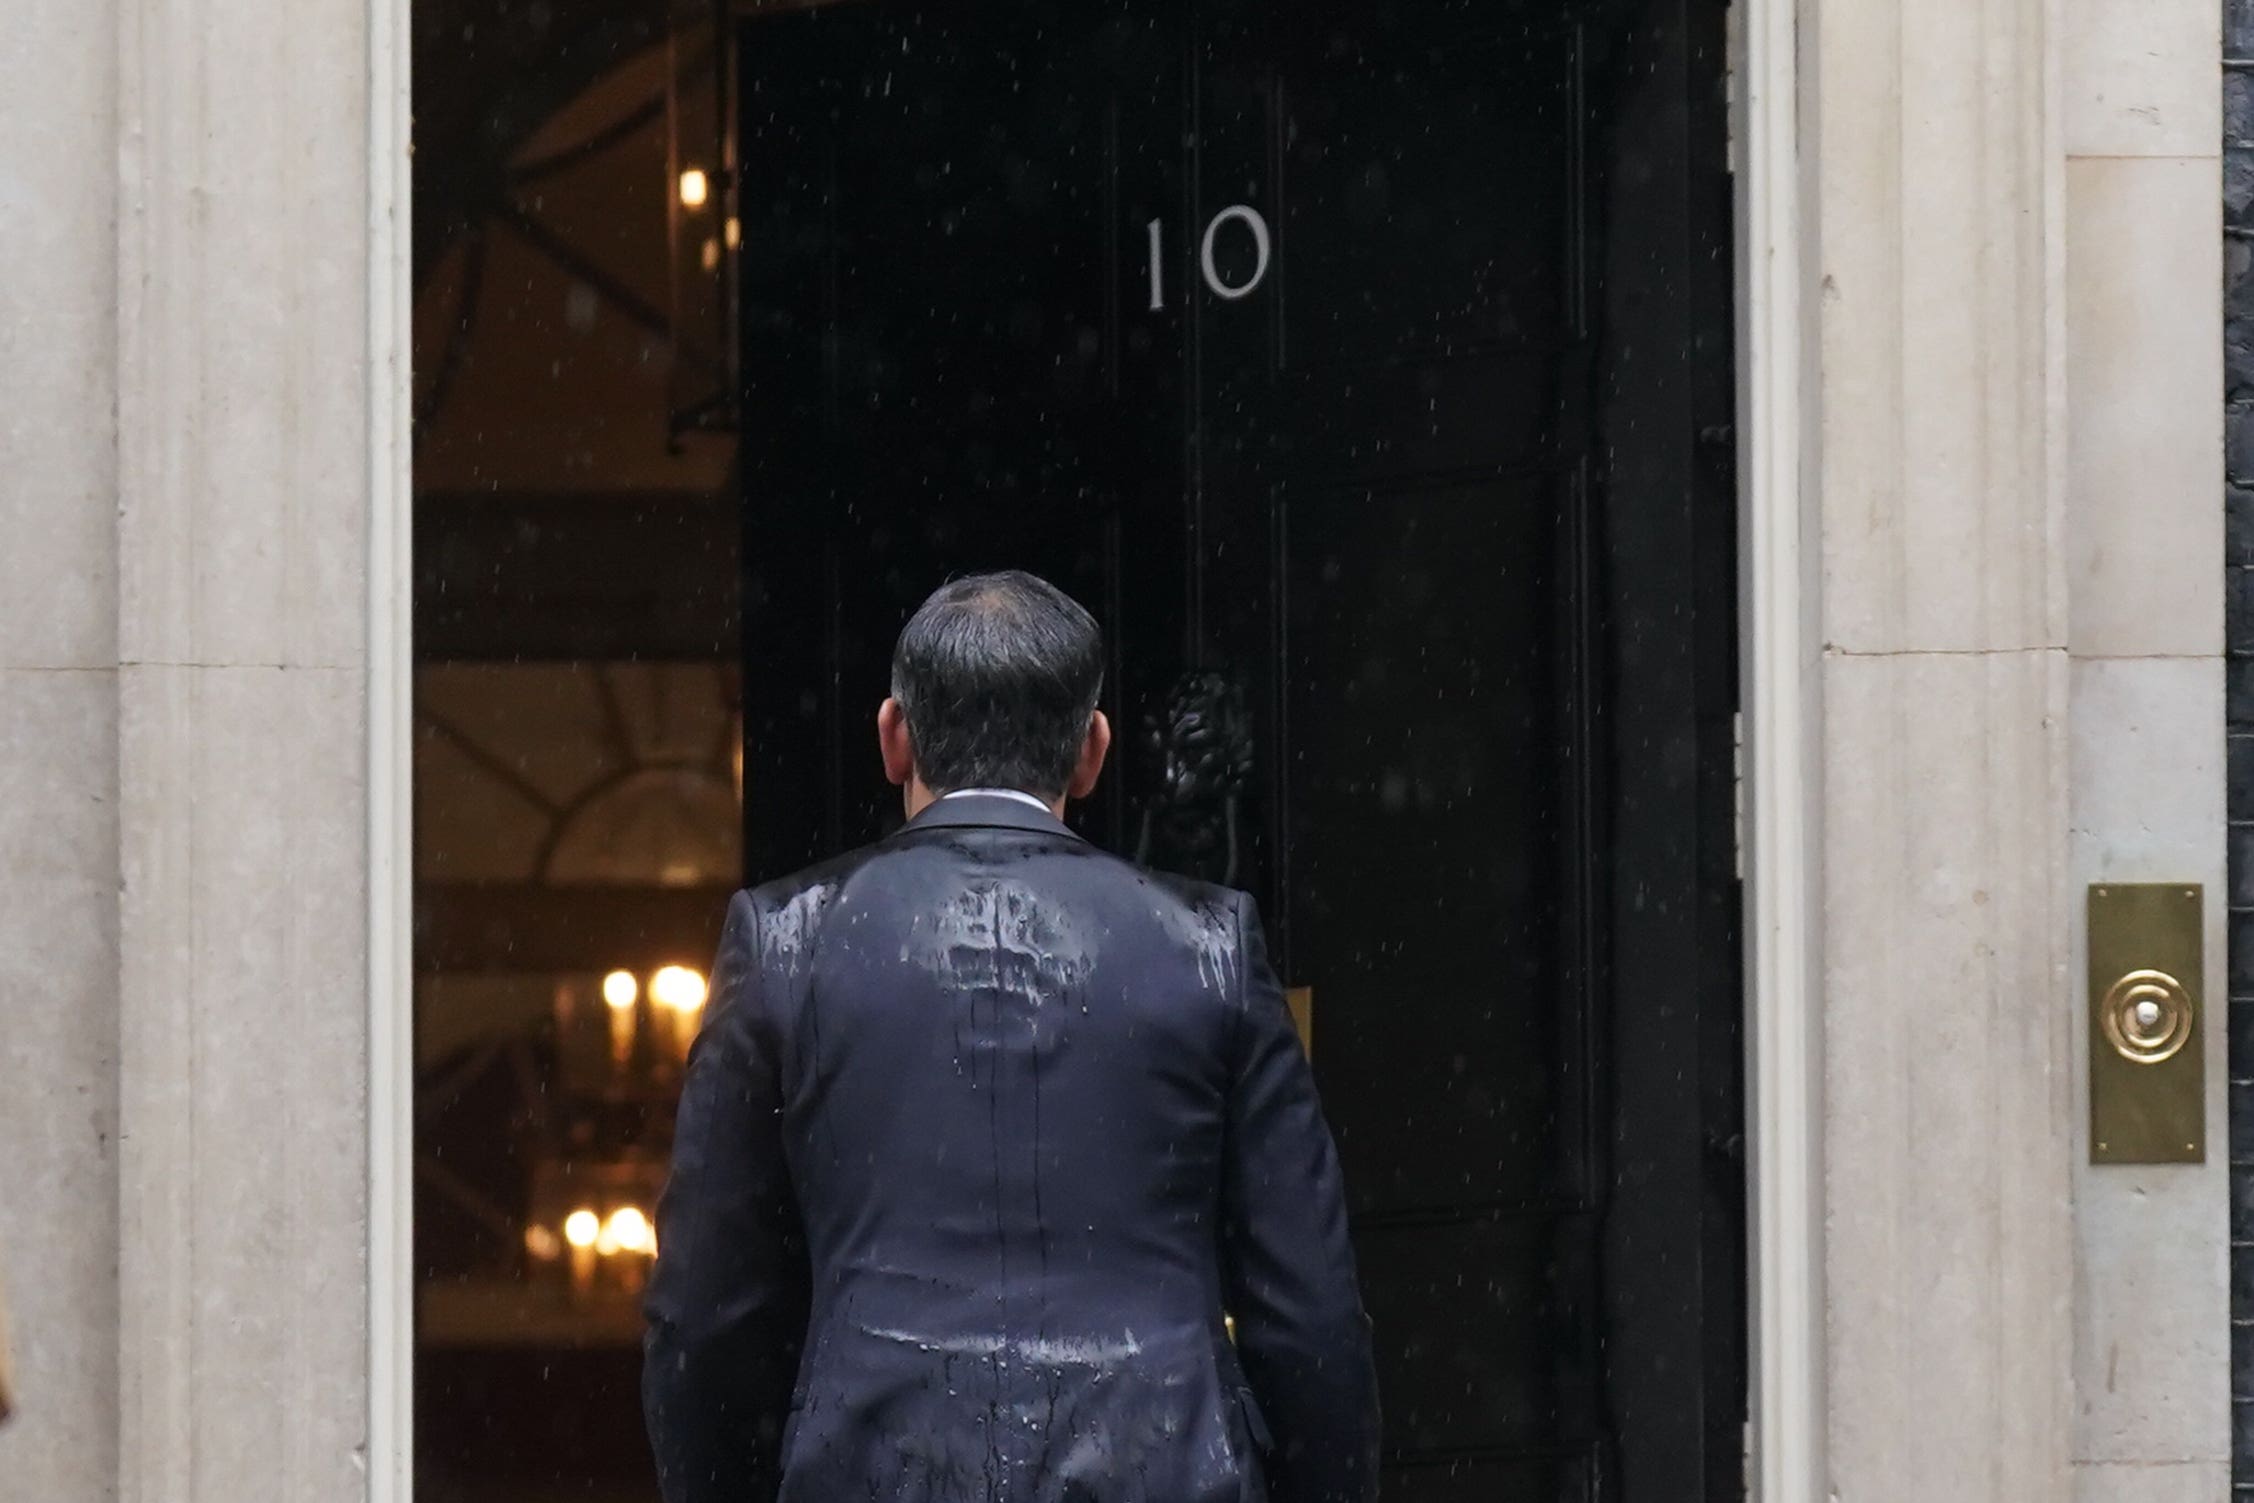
[[2148, 1070]]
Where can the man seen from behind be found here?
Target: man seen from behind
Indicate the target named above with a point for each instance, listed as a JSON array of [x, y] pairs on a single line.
[[986, 1132]]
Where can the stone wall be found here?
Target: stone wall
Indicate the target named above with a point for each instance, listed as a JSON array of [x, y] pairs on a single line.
[[185, 435], [2139, 235], [1943, 778], [58, 748]]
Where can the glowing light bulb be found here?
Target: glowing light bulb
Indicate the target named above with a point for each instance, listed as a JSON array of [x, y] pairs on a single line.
[[695, 188], [680, 991], [678, 987], [631, 1230], [620, 990], [582, 1228], [541, 1243]]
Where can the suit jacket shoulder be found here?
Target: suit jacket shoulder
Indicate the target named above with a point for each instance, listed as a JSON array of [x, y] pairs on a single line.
[[788, 912]]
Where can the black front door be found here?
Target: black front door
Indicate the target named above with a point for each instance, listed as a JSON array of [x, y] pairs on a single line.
[[1365, 369]]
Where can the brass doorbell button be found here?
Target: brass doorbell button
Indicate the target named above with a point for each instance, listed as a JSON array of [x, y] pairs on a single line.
[[2146, 1016]]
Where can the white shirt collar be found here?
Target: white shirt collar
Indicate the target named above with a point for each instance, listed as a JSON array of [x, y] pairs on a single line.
[[1019, 794]]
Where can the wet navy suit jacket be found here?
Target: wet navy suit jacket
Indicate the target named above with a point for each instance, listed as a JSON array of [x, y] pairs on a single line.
[[984, 1132]]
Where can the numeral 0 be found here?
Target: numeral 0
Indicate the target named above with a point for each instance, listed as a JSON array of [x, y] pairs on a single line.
[[1250, 218]]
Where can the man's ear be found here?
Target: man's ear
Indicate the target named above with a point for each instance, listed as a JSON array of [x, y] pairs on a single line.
[[893, 745], [1091, 763]]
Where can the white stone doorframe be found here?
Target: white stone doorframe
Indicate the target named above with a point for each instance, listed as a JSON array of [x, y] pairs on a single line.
[[1780, 649], [391, 998], [1785, 1440]]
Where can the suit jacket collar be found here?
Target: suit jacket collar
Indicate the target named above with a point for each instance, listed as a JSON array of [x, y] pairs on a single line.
[[986, 812]]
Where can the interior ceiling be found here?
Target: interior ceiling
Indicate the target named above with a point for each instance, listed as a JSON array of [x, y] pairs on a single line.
[[489, 74], [541, 349]]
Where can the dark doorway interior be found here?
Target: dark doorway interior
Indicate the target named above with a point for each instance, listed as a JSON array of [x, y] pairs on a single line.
[[1366, 369]]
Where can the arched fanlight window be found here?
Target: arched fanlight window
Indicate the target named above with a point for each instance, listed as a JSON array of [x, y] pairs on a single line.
[[578, 774]]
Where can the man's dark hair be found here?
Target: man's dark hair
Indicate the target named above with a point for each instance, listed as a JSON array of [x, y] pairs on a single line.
[[998, 674]]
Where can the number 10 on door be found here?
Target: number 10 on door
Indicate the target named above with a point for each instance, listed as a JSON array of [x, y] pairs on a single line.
[[1240, 214]]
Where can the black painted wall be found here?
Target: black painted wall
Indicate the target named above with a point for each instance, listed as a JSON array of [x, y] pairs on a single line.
[[2238, 432]]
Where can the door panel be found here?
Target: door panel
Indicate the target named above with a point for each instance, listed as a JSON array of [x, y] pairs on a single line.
[[1425, 205], [941, 372], [1421, 757], [1441, 486], [1471, 1321], [1409, 404]]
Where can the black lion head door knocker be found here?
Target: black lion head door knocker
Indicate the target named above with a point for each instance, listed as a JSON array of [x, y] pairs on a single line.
[[1199, 744]]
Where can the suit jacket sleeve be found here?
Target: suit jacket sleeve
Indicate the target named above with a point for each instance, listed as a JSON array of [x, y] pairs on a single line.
[[726, 1305], [1287, 1264]]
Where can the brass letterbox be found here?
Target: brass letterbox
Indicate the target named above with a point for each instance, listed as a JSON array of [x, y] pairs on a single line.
[[1301, 1001]]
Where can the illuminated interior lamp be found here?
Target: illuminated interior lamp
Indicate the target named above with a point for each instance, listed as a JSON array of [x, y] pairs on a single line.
[[620, 990], [631, 1230], [679, 992], [582, 1229], [695, 188], [678, 987]]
